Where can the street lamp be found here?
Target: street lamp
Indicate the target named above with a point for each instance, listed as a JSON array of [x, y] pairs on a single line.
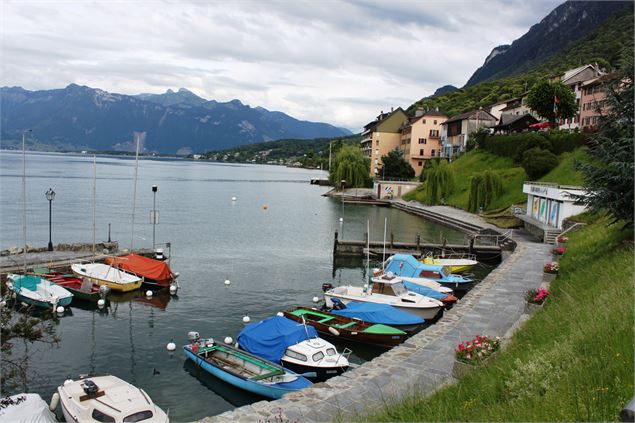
[[50, 195], [154, 214]]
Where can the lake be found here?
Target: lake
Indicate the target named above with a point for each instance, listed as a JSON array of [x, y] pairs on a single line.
[[275, 257]]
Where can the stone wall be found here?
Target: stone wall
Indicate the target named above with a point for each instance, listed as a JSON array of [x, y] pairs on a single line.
[[109, 247]]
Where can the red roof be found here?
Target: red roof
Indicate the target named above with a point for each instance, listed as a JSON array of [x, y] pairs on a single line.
[[152, 269]]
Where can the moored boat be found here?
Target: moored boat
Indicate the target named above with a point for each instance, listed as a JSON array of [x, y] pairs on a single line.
[[38, 291], [447, 299], [410, 269], [103, 274], [242, 369], [106, 399], [456, 265], [81, 289], [154, 272], [347, 328], [380, 314]]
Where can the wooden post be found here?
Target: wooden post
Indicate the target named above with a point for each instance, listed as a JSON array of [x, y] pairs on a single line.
[[392, 240], [365, 238], [335, 242], [471, 245]]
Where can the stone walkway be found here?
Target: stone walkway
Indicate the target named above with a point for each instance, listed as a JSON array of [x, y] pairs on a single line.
[[424, 362]]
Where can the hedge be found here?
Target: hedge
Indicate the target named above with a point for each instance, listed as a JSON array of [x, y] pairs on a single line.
[[514, 145]]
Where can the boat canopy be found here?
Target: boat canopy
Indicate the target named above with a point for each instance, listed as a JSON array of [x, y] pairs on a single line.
[[142, 266], [29, 282], [378, 313], [425, 290], [271, 337], [408, 266]]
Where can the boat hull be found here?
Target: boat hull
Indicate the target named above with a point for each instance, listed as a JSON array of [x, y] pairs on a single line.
[[321, 373], [42, 304], [118, 287], [427, 313]]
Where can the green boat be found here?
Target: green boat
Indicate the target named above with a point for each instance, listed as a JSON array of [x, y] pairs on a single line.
[[348, 328]]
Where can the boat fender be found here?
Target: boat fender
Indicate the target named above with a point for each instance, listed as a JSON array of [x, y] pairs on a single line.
[[334, 331], [55, 400]]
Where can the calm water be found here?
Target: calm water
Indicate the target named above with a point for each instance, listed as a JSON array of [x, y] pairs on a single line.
[[275, 258]]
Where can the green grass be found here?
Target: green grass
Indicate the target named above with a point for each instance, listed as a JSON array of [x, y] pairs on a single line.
[[572, 361], [564, 173]]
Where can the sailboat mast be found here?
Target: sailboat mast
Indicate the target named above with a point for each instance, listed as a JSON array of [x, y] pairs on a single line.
[[134, 192], [94, 199], [383, 261], [368, 246], [24, 194]]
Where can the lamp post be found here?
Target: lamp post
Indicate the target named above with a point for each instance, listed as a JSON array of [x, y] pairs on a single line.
[[50, 195], [154, 214]]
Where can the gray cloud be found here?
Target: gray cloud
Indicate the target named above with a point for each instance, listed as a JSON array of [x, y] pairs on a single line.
[[334, 61]]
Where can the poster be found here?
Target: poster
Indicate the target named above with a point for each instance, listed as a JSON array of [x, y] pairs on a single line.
[[553, 219], [543, 210], [536, 206]]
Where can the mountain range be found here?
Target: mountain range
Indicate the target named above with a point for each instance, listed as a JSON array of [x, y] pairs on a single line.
[[80, 117]]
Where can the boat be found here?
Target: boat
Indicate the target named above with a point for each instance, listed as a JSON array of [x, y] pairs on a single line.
[[447, 299], [410, 269], [154, 272], [106, 399], [25, 408], [456, 265], [81, 289], [387, 291], [429, 283], [242, 369], [295, 346], [103, 274], [380, 314], [347, 328], [38, 291]]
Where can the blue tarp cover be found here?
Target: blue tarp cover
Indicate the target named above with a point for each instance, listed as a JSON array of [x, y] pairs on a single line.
[[411, 266], [270, 338], [379, 313], [424, 290]]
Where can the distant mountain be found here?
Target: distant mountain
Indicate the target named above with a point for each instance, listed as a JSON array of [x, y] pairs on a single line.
[[444, 90], [175, 122], [559, 30]]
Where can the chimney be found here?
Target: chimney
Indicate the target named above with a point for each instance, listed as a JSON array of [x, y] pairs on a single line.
[[419, 112], [436, 108]]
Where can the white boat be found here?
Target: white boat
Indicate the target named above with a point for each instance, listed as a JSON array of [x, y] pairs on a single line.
[[387, 291], [37, 291], [26, 408], [106, 399], [423, 282], [456, 265], [103, 274]]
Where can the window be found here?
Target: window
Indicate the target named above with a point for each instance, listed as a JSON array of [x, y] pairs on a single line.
[[432, 153], [434, 132], [435, 121], [377, 143], [421, 152], [423, 121], [420, 163], [330, 351], [429, 274], [101, 417], [295, 355], [377, 151], [138, 417], [423, 141], [318, 356]]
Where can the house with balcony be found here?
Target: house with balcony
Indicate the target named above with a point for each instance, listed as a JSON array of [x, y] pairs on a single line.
[[593, 101], [456, 130], [381, 136], [575, 78], [421, 138]]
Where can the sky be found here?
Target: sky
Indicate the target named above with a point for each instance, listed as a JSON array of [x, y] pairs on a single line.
[[340, 62]]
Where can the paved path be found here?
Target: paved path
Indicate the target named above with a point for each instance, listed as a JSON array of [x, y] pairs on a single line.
[[424, 362]]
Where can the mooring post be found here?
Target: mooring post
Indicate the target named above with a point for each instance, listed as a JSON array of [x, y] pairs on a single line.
[[365, 238], [392, 240], [471, 245], [335, 242], [418, 241]]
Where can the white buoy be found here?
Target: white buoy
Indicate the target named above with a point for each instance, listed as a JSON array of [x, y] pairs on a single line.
[[101, 303], [316, 299], [227, 282], [334, 331], [171, 346], [280, 314], [233, 198], [148, 293], [228, 340], [173, 288], [60, 310], [341, 219], [55, 400], [246, 319]]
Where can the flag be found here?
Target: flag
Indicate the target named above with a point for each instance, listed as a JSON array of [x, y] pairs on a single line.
[[556, 107]]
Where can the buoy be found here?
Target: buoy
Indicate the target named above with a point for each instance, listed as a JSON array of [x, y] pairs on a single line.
[[104, 290], [228, 340], [171, 346], [334, 331], [233, 198], [101, 303], [60, 310], [280, 314], [148, 293], [265, 206], [227, 282], [55, 400], [173, 288], [316, 299], [246, 319], [341, 219]]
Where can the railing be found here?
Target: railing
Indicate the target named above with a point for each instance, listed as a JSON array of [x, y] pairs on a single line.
[[499, 238]]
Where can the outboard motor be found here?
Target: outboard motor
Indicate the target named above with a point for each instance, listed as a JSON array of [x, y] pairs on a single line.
[[338, 304], [193, 337], [90, 387], [327, 286]]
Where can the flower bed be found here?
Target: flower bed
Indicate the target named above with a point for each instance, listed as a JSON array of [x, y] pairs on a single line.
[[562, 239], [559, 251], [535, 300], [472, 353], [553, 267]]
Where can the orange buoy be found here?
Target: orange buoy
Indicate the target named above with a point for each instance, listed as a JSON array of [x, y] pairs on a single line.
[[265, 206]]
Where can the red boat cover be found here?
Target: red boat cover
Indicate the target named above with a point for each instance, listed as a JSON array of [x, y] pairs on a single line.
[[155, 270]]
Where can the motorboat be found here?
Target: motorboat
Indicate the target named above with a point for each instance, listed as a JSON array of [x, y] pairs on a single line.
[[82, 289], [456, 265], [347, 328], [429, 283], [295, 346], [410, 269], [106, 399], [103, 274], [379, 314], [38, 291], [26, 408], [154, 272], [389, 291], [243, 369], [447, 299]]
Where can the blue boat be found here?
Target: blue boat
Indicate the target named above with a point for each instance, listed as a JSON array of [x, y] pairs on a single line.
[[244, 370], [378, 313], [37, 291], [411, 270]]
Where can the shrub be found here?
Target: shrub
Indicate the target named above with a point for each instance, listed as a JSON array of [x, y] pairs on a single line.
[[538, 162], [484, 187], [439, 182], [537, 296]]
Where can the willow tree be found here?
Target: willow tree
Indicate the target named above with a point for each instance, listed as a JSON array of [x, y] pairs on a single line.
[[351, 166], [484, 187], [439, 182]]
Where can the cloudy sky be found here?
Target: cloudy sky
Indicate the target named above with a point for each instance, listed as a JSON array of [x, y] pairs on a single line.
[[334, 61]]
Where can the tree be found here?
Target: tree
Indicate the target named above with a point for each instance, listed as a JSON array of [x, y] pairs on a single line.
[[552, 100], [608, 174], [395, 166], [484, 187], [439, 182], [538, 162], [350, 165]]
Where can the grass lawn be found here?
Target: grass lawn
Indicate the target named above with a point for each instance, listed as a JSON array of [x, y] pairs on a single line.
[[572, 361]]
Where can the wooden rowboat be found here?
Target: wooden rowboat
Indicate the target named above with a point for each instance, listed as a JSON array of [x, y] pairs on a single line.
[[348, 328], [102, 274]]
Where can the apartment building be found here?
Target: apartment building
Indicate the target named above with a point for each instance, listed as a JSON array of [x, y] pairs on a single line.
[[421, 138], [381, 136], [457, 130]]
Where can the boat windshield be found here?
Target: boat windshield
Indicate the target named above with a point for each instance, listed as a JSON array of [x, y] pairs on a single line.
[[445, 271], [399, 289], [139, 417]]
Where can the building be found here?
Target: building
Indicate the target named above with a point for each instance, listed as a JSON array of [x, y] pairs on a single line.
[[514, 123], [574, 78], [548, 205], [593, 101], [421, 138], [457, 129], [381, 136]]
